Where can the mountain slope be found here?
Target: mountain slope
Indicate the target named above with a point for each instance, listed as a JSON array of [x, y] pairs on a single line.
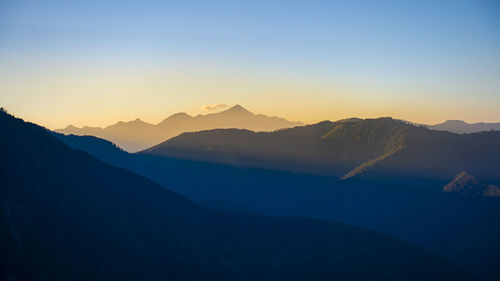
[[344, 149], [467, 184], [66, 216], [138, 135]]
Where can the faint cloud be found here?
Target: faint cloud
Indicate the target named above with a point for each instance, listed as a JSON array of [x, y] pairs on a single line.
[[214, 106]]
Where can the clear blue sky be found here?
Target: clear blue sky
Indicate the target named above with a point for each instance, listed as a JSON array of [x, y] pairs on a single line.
[[96, 62]]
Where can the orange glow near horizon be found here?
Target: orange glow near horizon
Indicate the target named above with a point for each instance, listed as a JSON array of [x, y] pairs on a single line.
[[94, 63], [87, 98]]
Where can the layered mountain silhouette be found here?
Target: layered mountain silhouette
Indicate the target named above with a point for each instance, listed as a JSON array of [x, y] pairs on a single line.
[[67, 216], [462, 127], [345, 149], [396, 185], [138, 135]]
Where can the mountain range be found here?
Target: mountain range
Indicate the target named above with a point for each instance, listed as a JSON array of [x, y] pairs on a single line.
[[65, 215], [345, 149], [138, 135], [461, 127], [379, 174]]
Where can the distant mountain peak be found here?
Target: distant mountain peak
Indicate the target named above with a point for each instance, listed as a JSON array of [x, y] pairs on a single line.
[[138, 135], [238, 108], [178, 116], [136, 121], [462, 127], [461, 122], [70, 127]]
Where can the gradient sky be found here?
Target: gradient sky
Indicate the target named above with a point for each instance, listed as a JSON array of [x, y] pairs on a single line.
[[97, 62]]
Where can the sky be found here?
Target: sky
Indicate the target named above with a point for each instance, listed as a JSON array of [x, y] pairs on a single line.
[[98, 62]]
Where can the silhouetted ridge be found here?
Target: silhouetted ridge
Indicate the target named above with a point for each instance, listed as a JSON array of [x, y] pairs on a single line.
[[138, 135]]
